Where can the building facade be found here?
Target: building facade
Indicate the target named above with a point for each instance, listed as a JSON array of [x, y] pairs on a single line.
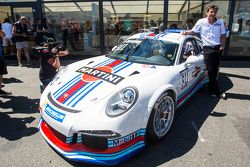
[[91, 28]]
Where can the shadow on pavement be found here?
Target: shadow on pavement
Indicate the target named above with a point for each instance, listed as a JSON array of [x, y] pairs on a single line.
[[15, 128], [225, 85], [236, 76], [11, 80], [238, 96], [20, 104], [235, 64]]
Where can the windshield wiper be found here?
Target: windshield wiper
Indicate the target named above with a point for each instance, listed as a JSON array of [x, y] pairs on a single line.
[[134, 49]]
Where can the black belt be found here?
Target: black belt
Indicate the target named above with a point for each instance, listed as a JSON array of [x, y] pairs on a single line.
[[212, 47]]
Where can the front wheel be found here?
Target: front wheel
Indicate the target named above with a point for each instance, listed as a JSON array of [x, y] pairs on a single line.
[[161, 117]]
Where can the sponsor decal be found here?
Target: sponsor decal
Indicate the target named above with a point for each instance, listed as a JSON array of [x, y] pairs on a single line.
[[145, 66], [103, 73], [193, 88], [94, 99], [148, 66], [126, 139], [58, 116], [184, 80], [196, 71]]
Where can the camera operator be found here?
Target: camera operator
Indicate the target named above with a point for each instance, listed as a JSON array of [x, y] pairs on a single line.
[[49, 64]]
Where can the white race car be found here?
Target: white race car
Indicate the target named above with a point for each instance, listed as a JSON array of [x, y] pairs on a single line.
[[100, 110]]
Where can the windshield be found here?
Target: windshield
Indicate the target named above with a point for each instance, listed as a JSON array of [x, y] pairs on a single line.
[[148, 51], [124, 49]]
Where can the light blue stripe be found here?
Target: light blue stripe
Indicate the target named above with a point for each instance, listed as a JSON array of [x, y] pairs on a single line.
[[69, 86], [108, 61], [186, 91], [119, 65], [200, 84], [110, 161], [65, 85], [107, 156], [85, 85], [81, 97], [78, 93], [123, 67], [198, 87], [113, 157], [65, 89]]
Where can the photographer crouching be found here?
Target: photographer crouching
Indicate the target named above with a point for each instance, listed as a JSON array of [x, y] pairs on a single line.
[[49, 54]]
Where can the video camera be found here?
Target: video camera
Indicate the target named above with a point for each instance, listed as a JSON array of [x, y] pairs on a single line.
[[45, 48]]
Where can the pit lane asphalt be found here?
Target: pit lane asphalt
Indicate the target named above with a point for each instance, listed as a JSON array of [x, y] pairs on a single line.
[[206, 132]]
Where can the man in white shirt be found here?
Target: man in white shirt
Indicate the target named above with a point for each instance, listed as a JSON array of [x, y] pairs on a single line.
[[212, 33], [7, 40]]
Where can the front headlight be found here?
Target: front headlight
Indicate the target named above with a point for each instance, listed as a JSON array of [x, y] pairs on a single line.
[[62, 71], [122, 101]]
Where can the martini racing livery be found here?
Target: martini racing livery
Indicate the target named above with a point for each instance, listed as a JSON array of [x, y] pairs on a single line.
[[100, 110]]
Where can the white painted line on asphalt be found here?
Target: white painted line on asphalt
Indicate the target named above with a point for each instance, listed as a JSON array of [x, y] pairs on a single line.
[[199, 134]]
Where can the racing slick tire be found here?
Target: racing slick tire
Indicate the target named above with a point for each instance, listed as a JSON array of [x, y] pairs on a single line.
[[161, 117]]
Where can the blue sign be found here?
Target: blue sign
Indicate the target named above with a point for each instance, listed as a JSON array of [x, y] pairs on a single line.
[[54, 114]]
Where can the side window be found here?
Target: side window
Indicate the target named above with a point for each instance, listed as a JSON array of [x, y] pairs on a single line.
[[188, 49], [199, 46]]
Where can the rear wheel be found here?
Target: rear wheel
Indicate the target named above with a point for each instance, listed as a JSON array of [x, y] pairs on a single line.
[[161, 117]]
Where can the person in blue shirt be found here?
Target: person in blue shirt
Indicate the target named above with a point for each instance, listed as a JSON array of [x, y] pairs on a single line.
[[3, 68]]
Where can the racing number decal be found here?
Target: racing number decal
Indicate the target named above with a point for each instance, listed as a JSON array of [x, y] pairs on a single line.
[[184, 80]]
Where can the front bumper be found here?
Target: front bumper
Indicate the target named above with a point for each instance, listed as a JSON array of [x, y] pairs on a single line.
[[117, 150]]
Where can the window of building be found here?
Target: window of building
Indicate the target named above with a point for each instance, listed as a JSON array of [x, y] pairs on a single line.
[[240, 32], [124, 18], [75, 25], [183, 14]]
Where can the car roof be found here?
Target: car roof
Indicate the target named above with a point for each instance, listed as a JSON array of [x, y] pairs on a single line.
[[168, 35]]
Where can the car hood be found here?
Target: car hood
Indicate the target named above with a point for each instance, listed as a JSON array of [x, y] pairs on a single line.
[[91, 80]]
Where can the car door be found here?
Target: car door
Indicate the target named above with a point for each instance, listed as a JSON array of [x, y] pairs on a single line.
[[189, 74]]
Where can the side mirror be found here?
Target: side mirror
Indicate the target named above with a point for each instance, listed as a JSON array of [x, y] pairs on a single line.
[[191, 60]]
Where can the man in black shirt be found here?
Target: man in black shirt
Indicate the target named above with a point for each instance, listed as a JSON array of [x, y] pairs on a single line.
[[41, 31], [49, 64]]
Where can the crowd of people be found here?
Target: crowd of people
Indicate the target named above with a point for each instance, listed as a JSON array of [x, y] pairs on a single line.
[[213, 43], [17, 36]]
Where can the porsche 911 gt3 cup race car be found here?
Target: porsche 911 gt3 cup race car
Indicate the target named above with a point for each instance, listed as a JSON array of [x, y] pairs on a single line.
[[100, 110]]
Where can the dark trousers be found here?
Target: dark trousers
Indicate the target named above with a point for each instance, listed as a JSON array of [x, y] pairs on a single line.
[[212, 57], [44, 83], [65, 37]]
